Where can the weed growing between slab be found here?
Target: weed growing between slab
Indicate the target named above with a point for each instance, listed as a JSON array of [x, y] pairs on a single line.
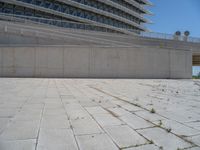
[[153, 111]]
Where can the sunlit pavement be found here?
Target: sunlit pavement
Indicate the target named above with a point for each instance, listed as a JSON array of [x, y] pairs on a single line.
[[99, 114]]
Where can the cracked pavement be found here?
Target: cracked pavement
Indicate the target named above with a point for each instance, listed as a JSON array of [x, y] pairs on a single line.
[[99, 114]]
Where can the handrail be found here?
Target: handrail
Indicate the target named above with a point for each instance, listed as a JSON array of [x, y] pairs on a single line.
[[169, 37], [90, 27]]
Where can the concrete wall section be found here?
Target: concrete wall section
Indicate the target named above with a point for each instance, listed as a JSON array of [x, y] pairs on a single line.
[[104, 62], [180, 64]]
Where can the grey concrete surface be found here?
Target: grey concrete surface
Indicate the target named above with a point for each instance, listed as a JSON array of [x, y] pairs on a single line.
[[95, 61], [32, 34], [99, 114], [18, 34]]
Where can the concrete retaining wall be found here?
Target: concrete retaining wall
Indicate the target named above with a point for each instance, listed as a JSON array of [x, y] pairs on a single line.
[[104, 62]]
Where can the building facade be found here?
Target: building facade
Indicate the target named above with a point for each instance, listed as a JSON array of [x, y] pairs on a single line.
[[111, 15]]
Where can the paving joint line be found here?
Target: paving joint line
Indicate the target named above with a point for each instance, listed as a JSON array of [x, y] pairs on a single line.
[[124, 123], [98, 123], [186, 140], [71, 127], [37, 139]]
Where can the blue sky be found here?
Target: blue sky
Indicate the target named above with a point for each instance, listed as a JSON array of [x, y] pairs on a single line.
[[172, 15]]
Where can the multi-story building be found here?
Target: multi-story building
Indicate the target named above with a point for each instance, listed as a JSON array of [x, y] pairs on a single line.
[[111, 15]]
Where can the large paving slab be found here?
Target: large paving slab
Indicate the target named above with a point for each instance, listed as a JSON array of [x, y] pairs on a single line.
[[124, 136], [85, 126], [144, 147], [61, 139], [99, 114], [136, 122], [195, 139], [163, 138], [96, 141], [20, 130], [107, 120], [18, 145]]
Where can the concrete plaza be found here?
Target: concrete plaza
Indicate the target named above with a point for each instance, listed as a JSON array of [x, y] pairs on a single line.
[[99, 114]]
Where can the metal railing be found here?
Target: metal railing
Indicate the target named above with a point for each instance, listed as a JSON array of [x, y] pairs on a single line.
[[169, 37], [91, 27]]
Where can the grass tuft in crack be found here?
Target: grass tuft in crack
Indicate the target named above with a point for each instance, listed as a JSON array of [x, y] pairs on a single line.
[[168, 129], [152, 111], [151, 142], [160, 123], [160, 148]]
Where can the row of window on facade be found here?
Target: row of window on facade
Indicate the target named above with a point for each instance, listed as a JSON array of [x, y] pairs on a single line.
[[95, 17], [69, 9]]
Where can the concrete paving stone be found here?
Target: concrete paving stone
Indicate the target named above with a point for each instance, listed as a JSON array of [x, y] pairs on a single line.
[[118, 102], [68, 95], [131, 107], [53, 104], [64, 92], [33, 106], [39, 92], [20, 130], [60, 85], [107, 120], [18, 145], [3, 123], [7, 113], [194, 148], [162, 138], [8, 99], [77, 114], [88, 103], [25, 92], [179, 115], [54, 111], [27, 117], [36, 100], [56, 139], [52, 100], [195, 124], [96, 142], [144, 147], [178, 128], [55, 122], [29, 111], [118, 111], [10, 105], [149, 116], [52, 93], [76, 111], [85, 126], [96, 110], [124, 136], [106, 104], [135, 121], [73, 106], [51, 84], [195, 139], [69, 100]]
